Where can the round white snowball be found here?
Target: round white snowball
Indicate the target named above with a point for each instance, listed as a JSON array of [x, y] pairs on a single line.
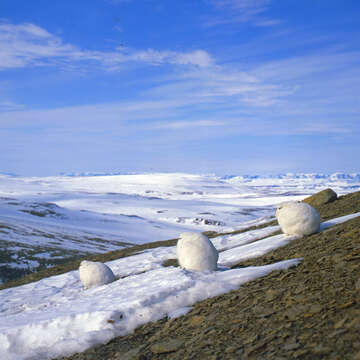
[[95, 274], [196, 252], [298, 218]]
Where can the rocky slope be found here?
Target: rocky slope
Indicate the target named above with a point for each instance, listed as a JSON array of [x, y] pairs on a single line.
[[308, 312]]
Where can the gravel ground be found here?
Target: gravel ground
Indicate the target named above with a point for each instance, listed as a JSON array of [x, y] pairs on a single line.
[[308, 312]]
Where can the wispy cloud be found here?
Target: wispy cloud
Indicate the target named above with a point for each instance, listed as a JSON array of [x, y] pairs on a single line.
[[224, 84], [247, 7], [241, 11], [9, 106], [175, 125], [150, 56], [264, 98], [28, 45], [118, 1]]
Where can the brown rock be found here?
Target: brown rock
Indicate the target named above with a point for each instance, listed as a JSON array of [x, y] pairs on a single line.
[[323, 197], [357, 285], [291, 346], [167, 347], [321, 350], [197, 320], [132, 354]]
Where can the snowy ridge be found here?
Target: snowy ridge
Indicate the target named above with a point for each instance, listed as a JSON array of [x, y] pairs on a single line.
[[55, 316]]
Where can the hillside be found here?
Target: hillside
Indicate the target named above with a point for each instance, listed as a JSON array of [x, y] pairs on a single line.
[[308, 312], [62, 314]]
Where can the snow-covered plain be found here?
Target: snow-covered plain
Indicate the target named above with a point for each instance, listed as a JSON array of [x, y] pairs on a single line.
[[57, 216], [46, 219], [56, 316]]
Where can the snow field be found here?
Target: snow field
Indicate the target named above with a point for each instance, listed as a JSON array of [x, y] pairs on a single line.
[[55, 316]]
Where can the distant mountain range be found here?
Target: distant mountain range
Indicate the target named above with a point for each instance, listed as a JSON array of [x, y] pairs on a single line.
[[330, 177]]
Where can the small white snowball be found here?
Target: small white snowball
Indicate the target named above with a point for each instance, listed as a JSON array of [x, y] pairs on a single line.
[[95, 274], [298, 218], [196, 252]]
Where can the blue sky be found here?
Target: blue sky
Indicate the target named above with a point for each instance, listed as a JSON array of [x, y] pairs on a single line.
[[203, 86]]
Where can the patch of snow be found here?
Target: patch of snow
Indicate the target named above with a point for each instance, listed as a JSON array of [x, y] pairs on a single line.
[[55, 317], [179, 312]]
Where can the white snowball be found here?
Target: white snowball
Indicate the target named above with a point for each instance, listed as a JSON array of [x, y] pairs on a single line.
[[196, 252], [298, 218], [95, 274]]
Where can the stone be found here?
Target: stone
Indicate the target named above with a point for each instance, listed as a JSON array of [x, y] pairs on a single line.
[[357, 285], [291, 346], [166, 347], [321, 350], [323, 197], [132, 354], [197, 320]]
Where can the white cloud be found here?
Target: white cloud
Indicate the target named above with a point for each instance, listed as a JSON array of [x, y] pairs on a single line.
[[114, 2], [28, 45], [322, 128], [9, 106], [224, 85], [175, 125], [242, 11], [264, 23], [273, 97], [303, 66], [198, 57], [249, 7]]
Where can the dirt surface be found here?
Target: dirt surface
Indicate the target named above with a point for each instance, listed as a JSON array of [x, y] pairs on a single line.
[[308, 312]]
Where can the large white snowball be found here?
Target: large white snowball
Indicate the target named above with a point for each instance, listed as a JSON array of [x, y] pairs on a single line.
[[95, 274], [196, 252], [298, 218]]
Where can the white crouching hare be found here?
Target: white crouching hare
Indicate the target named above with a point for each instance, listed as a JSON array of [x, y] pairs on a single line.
[[196, 252], [298, 218], [95, 274]]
